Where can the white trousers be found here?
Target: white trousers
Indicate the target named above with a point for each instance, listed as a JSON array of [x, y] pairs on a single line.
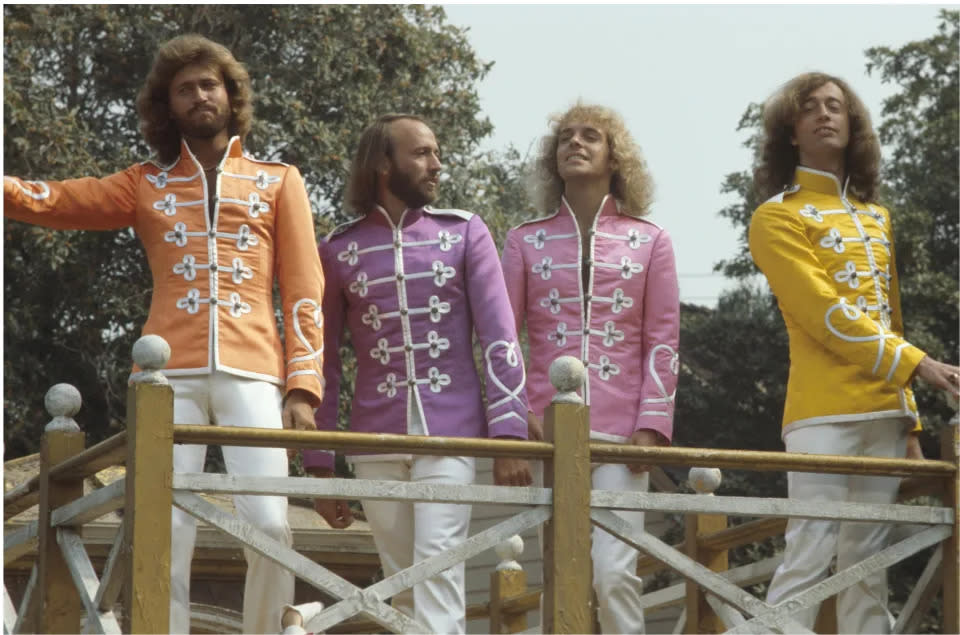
[[812, 544], [406, 533], [227, 400]]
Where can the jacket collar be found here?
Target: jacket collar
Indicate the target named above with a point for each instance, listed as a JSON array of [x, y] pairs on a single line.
[[820, 181], [234, 151], [609, 206]]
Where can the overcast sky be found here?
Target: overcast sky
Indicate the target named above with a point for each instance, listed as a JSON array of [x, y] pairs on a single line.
[[681, 76]]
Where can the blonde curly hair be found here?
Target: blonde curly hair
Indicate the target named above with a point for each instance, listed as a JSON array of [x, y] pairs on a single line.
[[631, 183]]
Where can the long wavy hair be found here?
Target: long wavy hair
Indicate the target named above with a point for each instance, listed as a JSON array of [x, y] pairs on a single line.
[[374, 146], [631, 183], [778, 157], [153, 102]]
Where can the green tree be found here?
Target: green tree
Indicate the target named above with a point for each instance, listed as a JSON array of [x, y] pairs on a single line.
[[75, 301]]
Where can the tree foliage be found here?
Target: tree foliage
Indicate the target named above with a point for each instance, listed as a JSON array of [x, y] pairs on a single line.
[[75, 301]]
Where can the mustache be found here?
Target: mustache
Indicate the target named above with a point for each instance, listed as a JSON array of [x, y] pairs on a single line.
[[202, 108]]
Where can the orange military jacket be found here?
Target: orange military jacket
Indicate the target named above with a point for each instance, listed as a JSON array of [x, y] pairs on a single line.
[[212, 277]]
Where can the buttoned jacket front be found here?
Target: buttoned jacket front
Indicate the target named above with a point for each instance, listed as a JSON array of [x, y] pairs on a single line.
[[212, 277], [829, 259], [412, 296], [623, 325]]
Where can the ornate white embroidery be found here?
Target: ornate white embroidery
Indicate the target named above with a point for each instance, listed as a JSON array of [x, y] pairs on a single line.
[[37, 196], [359, 286], [560, 335], [442, 273], [351, 254], [257, 206], [552, 301], [437, 344], [240, 271], [237, 306], [848, 275], [652, 369], [382, 352], [610, 334], [833, 240], [438, 308], [543, 267], [245, 238], [605, 368], [513, 360], [168, 205], [628, 268], [160, 180], [437, 379], [179, 235], [446, 240], [539, 238], [264, 180], [810, 211], [853, 314], [372, 317], [316, 318], [191, 302], [389, 387], [635, 238], [620, 301], [187, 268]]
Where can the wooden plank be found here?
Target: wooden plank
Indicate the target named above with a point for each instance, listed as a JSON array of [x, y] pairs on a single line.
[[111, 582], [844, 579], [701, 617], [749, 506], [28, 605], [111, 451], [744, 534], [91, 507], [16, 543], [356, 489], [728, 615], [950, 451], [59, 609], [425, 569], [925, 590], [215, 619], [147, 506], [300, 565], [21, 498], [681, 624], [746, 575], [9, 613], [568, 599], [712, 581], [85, 579]]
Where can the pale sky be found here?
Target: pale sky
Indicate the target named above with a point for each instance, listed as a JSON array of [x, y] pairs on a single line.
[[681, 76]]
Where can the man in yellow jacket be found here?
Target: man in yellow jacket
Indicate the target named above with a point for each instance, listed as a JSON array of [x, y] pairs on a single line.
[[827, 251], [218, 228]]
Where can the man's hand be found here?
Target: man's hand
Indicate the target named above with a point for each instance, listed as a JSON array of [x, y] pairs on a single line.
[[939, 375], [914, 451], [509, 471], [534, 427], [335, 511], [297, 415], [645, 438]]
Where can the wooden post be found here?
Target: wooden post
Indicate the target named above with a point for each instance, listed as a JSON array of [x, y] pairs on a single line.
[[567, 567], [509, 580], [950, 451], [701, 618], [57, 607], [149, 498]]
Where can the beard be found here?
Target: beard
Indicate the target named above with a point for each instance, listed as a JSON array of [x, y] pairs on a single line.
[[414, 195], [202, 129]]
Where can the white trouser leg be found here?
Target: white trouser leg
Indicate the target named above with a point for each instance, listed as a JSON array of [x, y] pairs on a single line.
[[240, 402], [615, 581], [440, 601], [190, 406], [391, 523], [862, 608]]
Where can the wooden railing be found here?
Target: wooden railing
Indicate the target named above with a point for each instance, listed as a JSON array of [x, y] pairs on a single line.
[[64, 591]]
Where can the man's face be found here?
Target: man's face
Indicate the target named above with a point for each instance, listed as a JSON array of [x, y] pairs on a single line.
[[822, 129], [583, 151], [199, 103], [414, 168]]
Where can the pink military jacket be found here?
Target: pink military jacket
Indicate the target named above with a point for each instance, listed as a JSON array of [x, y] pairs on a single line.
[[412, 296], [624, 324]]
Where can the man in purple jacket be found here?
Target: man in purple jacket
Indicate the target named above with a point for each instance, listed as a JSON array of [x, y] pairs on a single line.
[[413, 284]]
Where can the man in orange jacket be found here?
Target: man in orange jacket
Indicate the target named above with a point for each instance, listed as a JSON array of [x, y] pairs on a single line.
[[218, 228]]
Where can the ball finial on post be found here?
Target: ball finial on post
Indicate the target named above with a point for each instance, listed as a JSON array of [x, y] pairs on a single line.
[[62, 402], [566, 375], [704, 480], [508, 551], [151, 353]]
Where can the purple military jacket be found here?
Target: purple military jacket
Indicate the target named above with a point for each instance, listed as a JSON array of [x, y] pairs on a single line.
[[412, 297]]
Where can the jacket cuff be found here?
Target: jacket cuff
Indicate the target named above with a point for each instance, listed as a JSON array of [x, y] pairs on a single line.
[[662, 424], [910, 358]]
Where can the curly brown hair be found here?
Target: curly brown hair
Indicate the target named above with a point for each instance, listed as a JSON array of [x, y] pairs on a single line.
[[631, 182], [778, 157], [153, 102], [374, 145]]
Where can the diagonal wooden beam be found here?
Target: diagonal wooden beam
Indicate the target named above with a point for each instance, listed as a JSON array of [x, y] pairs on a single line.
[[925, 590], [85, 579], [28, 609], [428, 568], [111, 583], [17, 543], [90, 507], [9, 612], [300, 565]]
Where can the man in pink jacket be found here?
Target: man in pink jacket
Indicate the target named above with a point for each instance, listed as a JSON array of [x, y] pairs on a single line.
[[595, 280]]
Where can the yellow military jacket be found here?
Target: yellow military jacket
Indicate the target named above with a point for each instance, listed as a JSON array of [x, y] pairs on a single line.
[[829, 259], [212, 275]]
